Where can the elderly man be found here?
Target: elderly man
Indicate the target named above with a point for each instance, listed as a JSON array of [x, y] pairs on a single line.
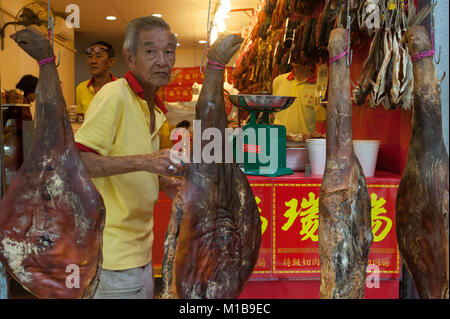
[[100, 59], [119, 145]]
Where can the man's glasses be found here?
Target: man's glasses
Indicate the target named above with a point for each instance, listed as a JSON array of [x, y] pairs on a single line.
[[97, 50]]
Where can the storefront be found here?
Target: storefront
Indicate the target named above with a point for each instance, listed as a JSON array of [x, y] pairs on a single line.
[[281, 38]]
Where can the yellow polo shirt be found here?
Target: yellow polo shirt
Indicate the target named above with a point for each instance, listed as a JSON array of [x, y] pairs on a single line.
[[302, 115], [117, 123], [85, 93]]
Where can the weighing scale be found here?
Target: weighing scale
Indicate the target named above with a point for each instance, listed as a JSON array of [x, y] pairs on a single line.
[[262, 146]]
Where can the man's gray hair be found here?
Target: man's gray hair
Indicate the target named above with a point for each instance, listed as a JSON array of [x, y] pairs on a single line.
[[138, 24]]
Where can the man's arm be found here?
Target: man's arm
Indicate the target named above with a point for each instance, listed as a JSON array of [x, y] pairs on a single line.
[[103, 166]]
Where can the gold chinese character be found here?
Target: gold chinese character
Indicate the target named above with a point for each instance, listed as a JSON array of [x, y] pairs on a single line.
[[310, 220], [286, 262], [261, 262], [263, 219], [310, 216], [377, 220], [291, 213]]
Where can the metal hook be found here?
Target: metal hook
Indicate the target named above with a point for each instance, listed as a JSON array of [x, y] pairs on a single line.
[[59, 58], [349, 29], [439, 56], [433, 5]]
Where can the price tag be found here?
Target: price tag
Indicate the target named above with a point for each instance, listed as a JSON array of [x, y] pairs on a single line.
[[322, 83], [391, 5]]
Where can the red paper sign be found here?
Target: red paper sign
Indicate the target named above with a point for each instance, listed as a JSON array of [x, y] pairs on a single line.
[[292, 212], [295, 230], [263, 197], [250, 148]]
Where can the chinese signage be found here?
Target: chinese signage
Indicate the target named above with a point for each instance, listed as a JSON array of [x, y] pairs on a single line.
[[180, 86], [291, 213], [262, 193]]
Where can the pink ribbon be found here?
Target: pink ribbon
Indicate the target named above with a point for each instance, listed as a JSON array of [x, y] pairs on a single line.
[[47, 60], [422, 55], [215, 65], [426, 54], [343, 54]]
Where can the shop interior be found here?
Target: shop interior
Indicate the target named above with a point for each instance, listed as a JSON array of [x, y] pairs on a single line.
[[277, 36]]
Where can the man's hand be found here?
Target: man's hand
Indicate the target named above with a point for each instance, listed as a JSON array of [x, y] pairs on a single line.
[[164, 162], [169, 185]]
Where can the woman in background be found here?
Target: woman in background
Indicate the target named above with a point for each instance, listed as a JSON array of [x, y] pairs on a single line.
[[28, 85]]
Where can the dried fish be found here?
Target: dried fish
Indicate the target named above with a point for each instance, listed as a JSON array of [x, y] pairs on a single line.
[[379, 86], [387, 72], [362, 90], [395, 88]]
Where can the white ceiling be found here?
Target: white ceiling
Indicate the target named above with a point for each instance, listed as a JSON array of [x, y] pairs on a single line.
[[187, 18]]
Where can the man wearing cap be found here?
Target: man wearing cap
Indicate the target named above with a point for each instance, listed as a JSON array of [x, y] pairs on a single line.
[[100, 59]]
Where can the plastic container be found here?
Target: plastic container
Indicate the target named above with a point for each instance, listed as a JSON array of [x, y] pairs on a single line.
[[317, 155], [296, 158], [367, 153]]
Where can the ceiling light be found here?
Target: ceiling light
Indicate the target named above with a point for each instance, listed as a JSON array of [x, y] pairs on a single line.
[[202, 41], [111, 18], [157, 15]]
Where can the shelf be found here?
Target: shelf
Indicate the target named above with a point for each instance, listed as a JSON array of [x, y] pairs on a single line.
[[18, 105]]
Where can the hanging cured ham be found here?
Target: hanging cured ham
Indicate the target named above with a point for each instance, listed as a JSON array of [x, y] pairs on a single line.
[[422, 198], [345, 233], [52, 217], [214, 233]]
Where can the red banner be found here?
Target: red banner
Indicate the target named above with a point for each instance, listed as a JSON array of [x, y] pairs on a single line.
[[292, 212], [180, 87], [182, 93], [263, 194]]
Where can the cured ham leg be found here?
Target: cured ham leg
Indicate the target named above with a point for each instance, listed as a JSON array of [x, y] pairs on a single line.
[[345, 233], [52, 217], [422, 198], [214, 234]]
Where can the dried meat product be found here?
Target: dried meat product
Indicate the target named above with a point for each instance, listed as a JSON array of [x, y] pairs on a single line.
[[322, 23], [345, 233], [422, 198], [52, 217], [306, 36], [214, 233]]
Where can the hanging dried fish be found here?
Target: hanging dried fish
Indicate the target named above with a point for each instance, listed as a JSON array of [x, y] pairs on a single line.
[[387, 72], [396, 59], [379, 87], [368, 71]]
